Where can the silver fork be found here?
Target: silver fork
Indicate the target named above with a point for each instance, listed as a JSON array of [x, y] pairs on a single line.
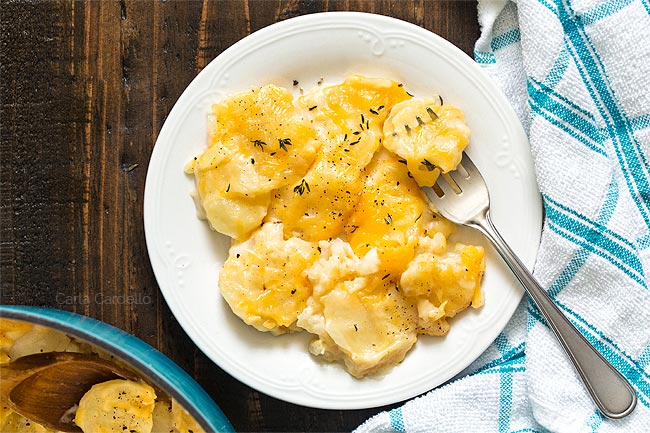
[[462, 197]]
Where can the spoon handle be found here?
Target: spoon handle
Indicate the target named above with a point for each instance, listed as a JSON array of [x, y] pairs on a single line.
[[609, 389]]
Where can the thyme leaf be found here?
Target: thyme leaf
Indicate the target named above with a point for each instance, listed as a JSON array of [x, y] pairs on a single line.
[[300, 189], [258, 143], [428, 165], [284, 142]]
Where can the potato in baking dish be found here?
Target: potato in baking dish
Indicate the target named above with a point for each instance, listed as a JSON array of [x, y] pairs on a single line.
[[331, 233], [114, 406]]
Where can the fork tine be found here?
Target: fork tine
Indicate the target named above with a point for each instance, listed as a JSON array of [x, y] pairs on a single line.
[[432, 113], [466, 206], [451, 180], [459, 177], [463, 175], [445, 186], [438, 192], [470, 168]]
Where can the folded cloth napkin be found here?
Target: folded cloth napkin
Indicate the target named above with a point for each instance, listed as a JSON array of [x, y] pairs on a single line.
[[578, 74]]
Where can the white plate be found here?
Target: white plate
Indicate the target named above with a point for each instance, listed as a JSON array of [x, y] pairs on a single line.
[[187, 256]]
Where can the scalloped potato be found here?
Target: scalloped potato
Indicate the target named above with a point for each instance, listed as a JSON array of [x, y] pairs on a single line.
[[263, 279], [338, 239], [349, 118], [358, 315], [429, 136], [259, 141], [11, 422], [116, 406]]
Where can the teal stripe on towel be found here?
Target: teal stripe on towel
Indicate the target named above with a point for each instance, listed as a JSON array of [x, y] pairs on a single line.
[[603, 10], [485, 58], [503, 40], [397, 420], [505, 401]]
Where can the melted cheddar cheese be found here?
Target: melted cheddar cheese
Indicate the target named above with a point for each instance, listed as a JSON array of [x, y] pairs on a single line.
[[349, 118]]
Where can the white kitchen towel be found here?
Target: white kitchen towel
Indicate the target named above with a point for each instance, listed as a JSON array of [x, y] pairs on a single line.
[[577, 73]]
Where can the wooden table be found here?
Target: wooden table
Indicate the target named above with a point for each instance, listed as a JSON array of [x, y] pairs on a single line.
[[86, 87]]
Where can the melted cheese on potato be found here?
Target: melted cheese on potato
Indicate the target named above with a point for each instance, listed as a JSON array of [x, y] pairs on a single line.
[[388, 217], [332, 233], [259, 141], [429, 136], [349, 118], [117, 406], [358, 315], [170, 417], [264, 279], [20, 339], [10, 331], [443, 283], [12, 422], [183, 421], [162, 417]]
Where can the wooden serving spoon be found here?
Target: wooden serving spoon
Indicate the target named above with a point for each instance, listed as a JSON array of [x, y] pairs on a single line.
[[45, 387]]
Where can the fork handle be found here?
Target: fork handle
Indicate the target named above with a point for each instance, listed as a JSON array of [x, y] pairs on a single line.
[[609, 389]]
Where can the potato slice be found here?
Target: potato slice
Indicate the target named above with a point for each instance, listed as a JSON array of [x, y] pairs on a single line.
[[442, 285], [432, 144], [117, 406], [11, 422], [358, 316], [183, 421], [259, 141], [389, 215], [264, 281]]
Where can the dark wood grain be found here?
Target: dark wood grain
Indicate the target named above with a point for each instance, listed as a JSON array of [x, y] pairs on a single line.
[[85, 88]]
